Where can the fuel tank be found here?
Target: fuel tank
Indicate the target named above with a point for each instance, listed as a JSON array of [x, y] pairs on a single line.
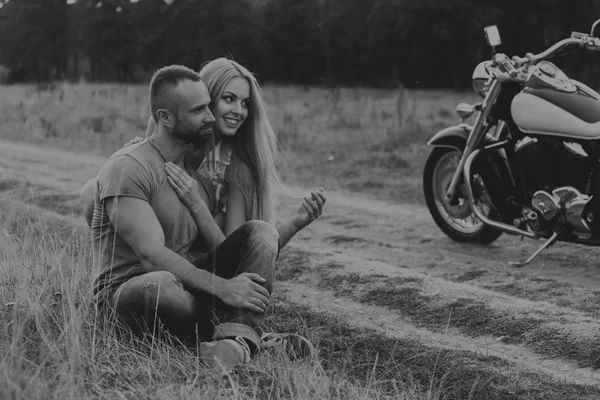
[[547, 111]]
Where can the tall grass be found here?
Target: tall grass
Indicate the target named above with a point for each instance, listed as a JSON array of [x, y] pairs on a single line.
[[347, 137], [354, 139], [54, 344]]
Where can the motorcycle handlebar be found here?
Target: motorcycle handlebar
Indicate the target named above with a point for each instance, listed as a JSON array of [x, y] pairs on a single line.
[[580, 39], [554, 48], [509, 67]]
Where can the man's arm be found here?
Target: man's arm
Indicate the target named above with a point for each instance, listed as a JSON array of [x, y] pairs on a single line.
[[135, 221]]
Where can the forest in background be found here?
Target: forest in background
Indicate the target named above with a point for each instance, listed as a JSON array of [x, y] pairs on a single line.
[[379, 43]]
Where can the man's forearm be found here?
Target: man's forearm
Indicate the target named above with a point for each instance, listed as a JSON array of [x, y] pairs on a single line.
[[287, 230], [208, 230], [193, 279]]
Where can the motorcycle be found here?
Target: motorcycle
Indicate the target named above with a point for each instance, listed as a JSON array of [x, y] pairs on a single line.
[[530, 163]]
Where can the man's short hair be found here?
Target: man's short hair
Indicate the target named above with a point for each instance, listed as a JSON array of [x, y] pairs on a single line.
[[165, 79]]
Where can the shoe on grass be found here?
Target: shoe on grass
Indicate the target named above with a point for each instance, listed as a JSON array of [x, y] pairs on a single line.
[[297, 347], [225, 353]]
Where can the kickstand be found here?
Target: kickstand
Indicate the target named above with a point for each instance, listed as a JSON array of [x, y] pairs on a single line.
[[544, 246]]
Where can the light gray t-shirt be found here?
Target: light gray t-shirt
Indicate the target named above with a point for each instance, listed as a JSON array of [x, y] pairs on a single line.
[[138, 171]]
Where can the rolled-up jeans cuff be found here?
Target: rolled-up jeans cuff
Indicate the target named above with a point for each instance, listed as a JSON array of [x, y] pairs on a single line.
[[232, 329]]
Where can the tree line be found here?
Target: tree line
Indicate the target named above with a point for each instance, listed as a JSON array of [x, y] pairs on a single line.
[[425, 43]]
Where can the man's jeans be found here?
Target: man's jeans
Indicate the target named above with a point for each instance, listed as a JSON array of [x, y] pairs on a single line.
[[140, 300]]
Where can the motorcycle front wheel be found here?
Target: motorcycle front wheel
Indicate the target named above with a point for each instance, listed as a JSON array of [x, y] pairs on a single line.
[[457, 221]]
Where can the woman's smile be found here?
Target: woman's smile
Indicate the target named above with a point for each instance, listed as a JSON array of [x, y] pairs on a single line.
[[231, 108], [232, 122]]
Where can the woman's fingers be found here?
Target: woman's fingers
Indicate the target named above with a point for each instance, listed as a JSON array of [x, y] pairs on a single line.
[[310, 202], [175, 179], [321, 195], [178, 172], [309, 210], [175, 170], [315, 204], [318, 200], [176, 167], [178, 177], [174, 185]]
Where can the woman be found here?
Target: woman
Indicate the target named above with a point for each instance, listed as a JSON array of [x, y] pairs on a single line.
[[241, 163]]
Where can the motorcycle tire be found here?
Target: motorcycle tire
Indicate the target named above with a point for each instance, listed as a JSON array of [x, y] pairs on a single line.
[[483, 234]]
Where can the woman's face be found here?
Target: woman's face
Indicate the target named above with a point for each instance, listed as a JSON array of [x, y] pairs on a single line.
[[231, 109]]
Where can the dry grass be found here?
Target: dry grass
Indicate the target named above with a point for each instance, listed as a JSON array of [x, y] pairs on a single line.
[[360, 140], [53, 344]]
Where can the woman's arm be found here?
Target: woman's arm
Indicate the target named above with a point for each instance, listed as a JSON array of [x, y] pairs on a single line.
[[188, 190], [309, 210]]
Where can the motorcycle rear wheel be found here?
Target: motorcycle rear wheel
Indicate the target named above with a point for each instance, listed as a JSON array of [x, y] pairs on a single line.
[[459, 222]]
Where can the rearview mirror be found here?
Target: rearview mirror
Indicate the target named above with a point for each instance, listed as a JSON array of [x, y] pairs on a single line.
[[594, 27], [493, 35]]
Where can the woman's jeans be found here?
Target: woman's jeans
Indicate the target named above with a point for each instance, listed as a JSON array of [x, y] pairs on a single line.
[[143, 300]]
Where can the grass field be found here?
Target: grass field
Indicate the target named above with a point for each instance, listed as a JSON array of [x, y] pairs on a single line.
[[395, 310]]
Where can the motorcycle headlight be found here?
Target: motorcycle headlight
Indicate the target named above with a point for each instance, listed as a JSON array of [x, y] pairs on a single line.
[[480, 76]]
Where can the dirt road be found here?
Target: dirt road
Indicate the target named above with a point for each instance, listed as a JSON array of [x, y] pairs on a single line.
[[388, 267]]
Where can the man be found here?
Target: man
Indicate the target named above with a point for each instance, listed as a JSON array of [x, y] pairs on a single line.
[[145, 238]]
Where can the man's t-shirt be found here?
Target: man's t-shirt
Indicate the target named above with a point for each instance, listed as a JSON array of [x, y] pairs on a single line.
[[137, 171]]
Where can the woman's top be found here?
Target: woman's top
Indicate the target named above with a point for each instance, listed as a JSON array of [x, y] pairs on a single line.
[[213, 168]]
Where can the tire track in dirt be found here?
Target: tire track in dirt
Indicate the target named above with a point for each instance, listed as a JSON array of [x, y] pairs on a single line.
[[540, 327], [363, 236], [393, 325]]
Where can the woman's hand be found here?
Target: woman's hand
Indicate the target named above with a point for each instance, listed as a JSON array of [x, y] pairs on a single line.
[[185, 186], [135, 140], [310, 209]]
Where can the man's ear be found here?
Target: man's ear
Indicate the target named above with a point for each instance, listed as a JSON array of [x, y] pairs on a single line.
[[165, 117]]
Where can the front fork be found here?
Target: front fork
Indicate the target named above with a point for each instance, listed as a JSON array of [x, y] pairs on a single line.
[[477, 133]]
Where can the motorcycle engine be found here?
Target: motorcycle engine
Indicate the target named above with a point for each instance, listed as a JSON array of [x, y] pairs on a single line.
[[555, 175], [567, 201]]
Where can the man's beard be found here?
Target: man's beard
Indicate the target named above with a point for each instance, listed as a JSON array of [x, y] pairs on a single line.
[[197, 137]]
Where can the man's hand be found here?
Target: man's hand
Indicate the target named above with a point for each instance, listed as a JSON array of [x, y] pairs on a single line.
[[244, 291], [185, 186], [310, 209]]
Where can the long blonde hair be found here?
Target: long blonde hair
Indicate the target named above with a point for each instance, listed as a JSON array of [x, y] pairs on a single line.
[[254, 145]]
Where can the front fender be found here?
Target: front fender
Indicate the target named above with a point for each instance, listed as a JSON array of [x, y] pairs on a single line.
[[453, 136]]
